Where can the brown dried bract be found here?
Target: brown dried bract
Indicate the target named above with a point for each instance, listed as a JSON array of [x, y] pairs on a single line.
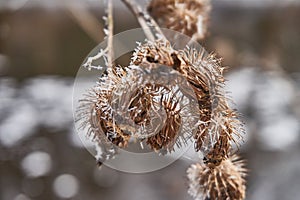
[[169, 133], [159, 52], [140, 105]]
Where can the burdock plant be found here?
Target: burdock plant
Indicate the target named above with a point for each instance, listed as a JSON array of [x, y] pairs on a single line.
[[217, 130]]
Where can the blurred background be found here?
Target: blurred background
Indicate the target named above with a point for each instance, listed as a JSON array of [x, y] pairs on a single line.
[[42, 45]]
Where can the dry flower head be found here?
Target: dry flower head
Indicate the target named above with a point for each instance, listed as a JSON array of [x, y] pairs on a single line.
[[189, 17], [226, 181]]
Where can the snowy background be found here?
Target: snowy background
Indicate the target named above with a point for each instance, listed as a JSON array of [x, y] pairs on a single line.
[[42, 45]]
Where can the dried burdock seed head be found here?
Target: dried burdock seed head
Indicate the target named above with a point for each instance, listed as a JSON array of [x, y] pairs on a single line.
[[225, 181], [220, 127], [189, 17], [96, 113]]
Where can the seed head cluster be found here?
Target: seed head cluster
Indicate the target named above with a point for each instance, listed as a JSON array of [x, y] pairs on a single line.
[[217, 127]]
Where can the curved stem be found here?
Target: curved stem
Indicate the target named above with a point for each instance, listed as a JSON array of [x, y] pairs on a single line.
[[110, 27]]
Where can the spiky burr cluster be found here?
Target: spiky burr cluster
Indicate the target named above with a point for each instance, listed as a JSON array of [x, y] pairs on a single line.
[[189, 17], [217, 127]]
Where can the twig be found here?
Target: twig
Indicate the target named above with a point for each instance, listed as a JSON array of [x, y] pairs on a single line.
[[107, 54], [110, 27], [145, 20], [89, 63]]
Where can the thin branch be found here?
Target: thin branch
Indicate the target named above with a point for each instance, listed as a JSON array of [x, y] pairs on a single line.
[[89, 62], [107, 54], [110, 24], [146, 21]]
